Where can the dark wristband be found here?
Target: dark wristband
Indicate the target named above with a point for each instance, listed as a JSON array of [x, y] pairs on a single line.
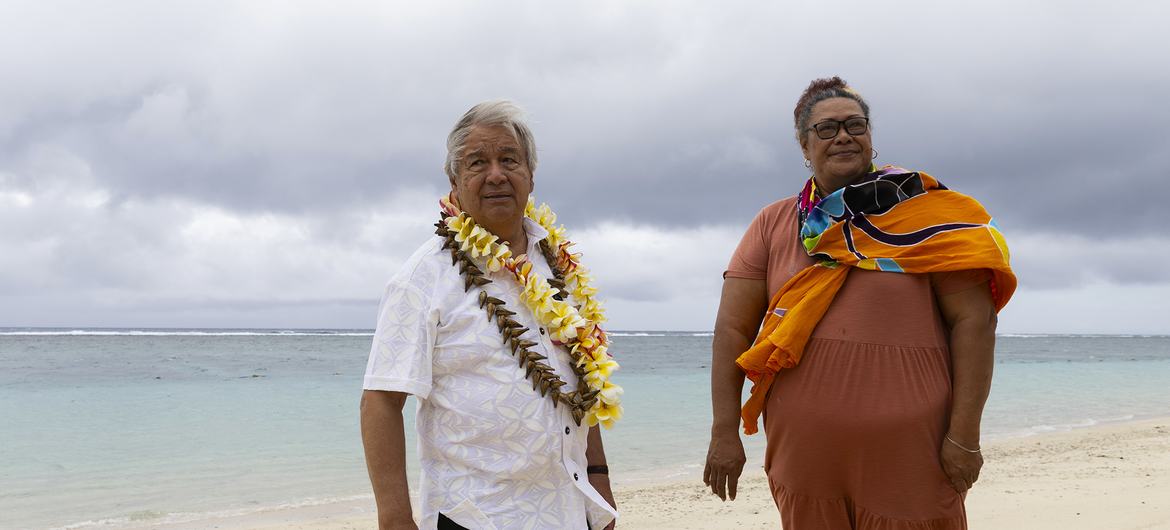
[[597, 470]]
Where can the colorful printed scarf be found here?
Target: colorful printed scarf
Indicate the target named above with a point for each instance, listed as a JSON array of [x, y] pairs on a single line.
[[894, 220]]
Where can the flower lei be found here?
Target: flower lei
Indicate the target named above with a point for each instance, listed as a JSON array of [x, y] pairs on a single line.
[[564, 305]]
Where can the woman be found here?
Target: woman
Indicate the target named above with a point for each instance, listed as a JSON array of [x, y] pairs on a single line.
[[878, 292]]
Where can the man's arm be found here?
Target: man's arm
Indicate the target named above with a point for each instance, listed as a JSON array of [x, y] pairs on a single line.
[[741, 309], [385, 444], [971, 320], [595, 456]]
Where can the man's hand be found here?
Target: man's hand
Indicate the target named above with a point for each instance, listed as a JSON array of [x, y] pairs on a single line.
[[725, 460], [406, 524], [595, 456], [600, 483], [385, 445], [962, 467]]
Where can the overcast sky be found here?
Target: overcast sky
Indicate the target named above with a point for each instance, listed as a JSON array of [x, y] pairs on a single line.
[[253, 164]]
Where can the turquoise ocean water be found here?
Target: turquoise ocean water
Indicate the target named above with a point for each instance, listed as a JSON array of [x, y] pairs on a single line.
[[103, 427]]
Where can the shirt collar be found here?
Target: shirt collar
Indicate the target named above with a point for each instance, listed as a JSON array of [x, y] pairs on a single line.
[[535, 233]]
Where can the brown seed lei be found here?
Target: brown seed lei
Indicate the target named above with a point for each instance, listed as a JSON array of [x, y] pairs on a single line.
[[579, 401]]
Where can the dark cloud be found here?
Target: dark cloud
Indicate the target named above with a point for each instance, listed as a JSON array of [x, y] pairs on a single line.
[[227, 154], [668, 118]]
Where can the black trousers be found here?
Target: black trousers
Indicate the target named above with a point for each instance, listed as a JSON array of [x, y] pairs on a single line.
[[448, 524]]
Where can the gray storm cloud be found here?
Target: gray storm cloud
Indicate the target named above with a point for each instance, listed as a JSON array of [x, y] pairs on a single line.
[[314, 133]]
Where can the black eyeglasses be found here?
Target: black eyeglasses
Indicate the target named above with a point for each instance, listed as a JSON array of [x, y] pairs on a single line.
[[828, 129]]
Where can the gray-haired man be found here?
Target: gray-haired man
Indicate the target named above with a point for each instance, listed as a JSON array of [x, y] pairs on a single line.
[[495, 451]]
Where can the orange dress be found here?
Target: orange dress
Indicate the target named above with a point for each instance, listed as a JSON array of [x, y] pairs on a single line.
[[854, 430]]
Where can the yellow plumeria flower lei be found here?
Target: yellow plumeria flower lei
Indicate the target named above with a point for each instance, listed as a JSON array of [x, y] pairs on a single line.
[[574, 323]]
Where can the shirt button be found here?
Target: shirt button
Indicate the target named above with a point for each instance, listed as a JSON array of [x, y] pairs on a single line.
[[574, 476], [566, 430]]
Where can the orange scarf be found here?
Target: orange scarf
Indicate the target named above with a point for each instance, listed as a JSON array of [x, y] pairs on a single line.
[[894, 220]]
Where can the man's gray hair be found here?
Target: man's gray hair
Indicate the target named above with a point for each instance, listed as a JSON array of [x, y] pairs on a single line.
[[489, 113]]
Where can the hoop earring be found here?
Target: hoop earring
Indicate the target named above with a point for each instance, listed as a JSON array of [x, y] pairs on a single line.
[[808, 163], [874, 157]]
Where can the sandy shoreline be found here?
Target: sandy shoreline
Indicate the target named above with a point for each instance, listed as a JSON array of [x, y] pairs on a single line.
[[1114, 476]]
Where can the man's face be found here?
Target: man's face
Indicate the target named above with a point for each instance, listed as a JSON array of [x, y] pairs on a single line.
[[493, 179]]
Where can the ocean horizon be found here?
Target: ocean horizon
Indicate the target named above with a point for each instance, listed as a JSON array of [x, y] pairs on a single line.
[[369, 332], [108, 427]]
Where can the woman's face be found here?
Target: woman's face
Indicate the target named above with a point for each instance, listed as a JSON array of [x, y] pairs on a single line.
[[844, 157]]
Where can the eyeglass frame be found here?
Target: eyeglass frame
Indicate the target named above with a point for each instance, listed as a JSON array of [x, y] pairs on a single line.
[[840, 125]]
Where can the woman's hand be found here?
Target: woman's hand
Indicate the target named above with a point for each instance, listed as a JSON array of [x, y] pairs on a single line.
[[741, 309], [961, 467], [725, 460], [970, 319]]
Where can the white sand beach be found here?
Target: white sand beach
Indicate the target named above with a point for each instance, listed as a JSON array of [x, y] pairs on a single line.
[[1114, 476]]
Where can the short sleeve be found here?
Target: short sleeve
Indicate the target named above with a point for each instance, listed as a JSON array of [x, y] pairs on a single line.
[[951, 282], [400, 357], [750, 259]]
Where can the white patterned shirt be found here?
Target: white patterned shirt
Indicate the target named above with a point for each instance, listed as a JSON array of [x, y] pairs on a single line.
[[494, 453]]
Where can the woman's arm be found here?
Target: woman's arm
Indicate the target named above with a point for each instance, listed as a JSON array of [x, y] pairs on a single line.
[[741, 309], [970, 319]]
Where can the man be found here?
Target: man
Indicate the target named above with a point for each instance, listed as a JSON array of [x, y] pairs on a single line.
[[495, 450]]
